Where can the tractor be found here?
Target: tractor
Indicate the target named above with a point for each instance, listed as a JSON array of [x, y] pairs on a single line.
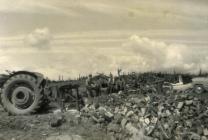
[[107, 84], [24, 92]]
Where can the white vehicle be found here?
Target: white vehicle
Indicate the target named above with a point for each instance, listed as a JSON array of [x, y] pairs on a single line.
[[179, 87]]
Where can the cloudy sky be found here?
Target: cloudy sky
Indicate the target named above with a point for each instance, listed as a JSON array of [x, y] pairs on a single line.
[[72, 37]]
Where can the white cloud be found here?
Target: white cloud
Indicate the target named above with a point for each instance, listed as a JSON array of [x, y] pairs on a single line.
[[40, 37], [136, 54], [157, 55]]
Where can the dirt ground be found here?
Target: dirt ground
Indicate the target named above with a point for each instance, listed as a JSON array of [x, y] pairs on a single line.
[[37, 127]]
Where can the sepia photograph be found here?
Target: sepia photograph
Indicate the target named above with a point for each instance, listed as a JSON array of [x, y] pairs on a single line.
[[103, 69]]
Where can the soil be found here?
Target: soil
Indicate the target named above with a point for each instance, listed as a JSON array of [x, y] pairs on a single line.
[[37, 127]]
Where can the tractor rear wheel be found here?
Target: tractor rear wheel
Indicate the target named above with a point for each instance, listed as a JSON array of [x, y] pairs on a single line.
[[21, 94]]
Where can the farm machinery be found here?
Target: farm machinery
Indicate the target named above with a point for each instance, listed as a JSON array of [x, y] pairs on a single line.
[[200, 84], [103, 84], [24, 92]]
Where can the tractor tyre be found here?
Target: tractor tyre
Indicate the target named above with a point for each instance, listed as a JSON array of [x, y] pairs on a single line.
[[199, 89], [21, 95]]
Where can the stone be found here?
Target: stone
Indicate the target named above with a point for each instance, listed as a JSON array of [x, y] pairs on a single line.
[[92, 107], [141, 119], [167, 112], [154, 120], [180, 105], [85, 100], [130, 113], [147, 121], [118, 118], [204, 138], [57, 119], [195, 136], [108, 115], [128, 104], [147, 99], [120, 92], [205, 132], [143, 111], [199, 130], [166, 126], [196, 99], [124, 111], [189, 102], [177, 112], [102, 110], [160, 108], [136, 100], [135, 118], [134, 106], [189, 124], [149, 129], [98, 119], [131, 129], [123, 122], [58, 113], [73, 112], [184, 96], [190, 97], [116, 110]]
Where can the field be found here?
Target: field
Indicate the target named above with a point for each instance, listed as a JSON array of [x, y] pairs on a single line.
[[138, 113]]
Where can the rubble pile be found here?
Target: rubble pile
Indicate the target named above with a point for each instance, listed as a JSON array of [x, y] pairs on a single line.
[[181, 116], [133, 115]]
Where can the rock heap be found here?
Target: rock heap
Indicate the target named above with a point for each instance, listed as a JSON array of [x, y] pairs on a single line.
[[133, 115]]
